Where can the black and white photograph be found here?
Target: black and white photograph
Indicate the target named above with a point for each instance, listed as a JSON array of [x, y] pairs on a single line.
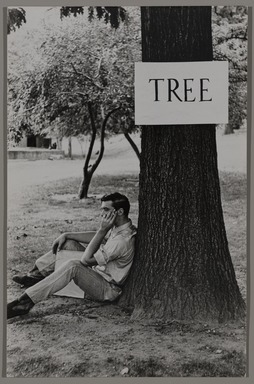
[[127, 191]]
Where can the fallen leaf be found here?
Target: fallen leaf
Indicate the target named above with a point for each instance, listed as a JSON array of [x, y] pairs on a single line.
[[124, 371]]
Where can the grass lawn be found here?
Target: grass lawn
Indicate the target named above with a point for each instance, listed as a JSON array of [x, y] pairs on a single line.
[[65, 337]]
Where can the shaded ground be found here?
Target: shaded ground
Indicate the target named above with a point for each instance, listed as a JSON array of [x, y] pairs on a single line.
[[64, 337]]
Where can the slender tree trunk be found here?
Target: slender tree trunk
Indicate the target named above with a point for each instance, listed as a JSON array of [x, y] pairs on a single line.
[[87, 175], [182, 268], [59, 143], [133, 144], [69, 148], [88, 170], [84, 185]]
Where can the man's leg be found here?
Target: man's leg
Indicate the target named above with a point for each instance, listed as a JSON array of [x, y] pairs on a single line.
[[45, 265], [88, 280]]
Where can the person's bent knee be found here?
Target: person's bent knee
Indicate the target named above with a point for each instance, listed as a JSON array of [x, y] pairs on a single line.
[[72, 245], [73, 263]]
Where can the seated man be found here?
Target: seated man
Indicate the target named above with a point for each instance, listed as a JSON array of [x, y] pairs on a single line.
[[100, 272]]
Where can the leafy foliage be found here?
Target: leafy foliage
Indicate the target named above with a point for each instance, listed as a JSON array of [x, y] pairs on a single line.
[[230, 43], [15, 18], [112, 15], [73, 64], [68, 11]]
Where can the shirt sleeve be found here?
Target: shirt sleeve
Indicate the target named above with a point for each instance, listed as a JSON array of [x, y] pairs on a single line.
[[100, 256], [110, 251]]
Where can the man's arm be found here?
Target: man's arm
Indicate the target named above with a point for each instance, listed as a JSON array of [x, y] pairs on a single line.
[[88, 256], [82, 237], [106, 224]]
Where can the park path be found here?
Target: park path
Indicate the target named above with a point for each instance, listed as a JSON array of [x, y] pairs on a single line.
[[119, 158]]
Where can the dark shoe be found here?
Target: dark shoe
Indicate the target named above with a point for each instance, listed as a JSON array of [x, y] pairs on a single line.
[[27, 281], [19, 307]]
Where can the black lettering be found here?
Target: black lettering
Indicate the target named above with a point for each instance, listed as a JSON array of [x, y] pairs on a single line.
[[170, 90], [202, 89], [186, 90], [156, 88]]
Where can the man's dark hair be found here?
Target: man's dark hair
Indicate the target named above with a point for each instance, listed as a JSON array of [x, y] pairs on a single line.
[[118, 201]]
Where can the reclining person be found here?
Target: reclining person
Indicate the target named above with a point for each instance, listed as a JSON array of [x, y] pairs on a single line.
[[102, 268]]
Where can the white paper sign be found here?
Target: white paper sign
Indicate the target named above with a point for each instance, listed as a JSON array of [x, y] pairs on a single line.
[[181, 93]]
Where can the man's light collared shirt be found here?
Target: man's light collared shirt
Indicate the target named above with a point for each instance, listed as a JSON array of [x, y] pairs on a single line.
[[115, 257]]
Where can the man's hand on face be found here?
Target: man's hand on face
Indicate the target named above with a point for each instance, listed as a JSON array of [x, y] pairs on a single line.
[[108, 220], [58, 243]]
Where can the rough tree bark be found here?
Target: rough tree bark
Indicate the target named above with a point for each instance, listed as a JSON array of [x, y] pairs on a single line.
[[183, 268]]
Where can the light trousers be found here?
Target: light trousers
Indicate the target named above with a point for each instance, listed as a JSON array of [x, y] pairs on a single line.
[[86, 278], [46, 262], [91, 282]]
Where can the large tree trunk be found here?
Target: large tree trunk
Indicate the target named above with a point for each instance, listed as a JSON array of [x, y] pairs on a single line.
[[183, 268]]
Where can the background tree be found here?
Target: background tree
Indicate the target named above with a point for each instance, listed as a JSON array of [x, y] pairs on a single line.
[[183, 268], [110, 15], [230, 43], [15, 18], [85, 77]]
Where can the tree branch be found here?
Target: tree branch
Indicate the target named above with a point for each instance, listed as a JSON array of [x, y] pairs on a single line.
[[77, 93], [99, 66], [97, 162], [26, 110], [232, 37], [89, 153], [85, 76], [133, 144], [244, 37]]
